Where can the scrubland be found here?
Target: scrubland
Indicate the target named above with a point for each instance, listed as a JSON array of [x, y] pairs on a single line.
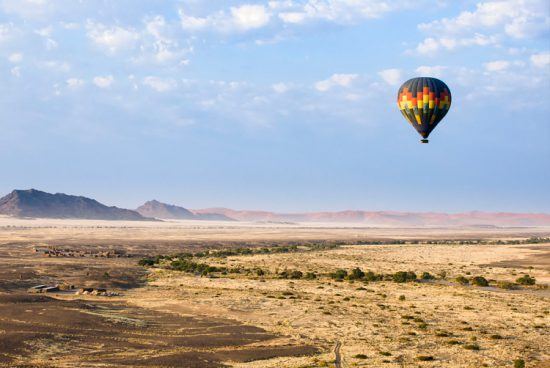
[[323, 301]]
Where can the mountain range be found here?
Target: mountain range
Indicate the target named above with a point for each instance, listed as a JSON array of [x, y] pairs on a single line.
[[35, 203]]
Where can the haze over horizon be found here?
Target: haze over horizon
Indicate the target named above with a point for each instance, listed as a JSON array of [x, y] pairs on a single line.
[[280, 106]]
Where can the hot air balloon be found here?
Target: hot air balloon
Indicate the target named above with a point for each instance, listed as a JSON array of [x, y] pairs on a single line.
[[424, 102]]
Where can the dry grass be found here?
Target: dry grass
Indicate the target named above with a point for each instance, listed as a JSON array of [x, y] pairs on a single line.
[[379, 324]]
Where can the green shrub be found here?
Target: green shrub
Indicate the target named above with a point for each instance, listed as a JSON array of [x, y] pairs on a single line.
[[360, 356], [526, 280], [385, 353], [356, 274], [404, 276], [339, 274], [310, 276], [480, 281], [471, 347], [146, 262], [519, 363], [260, 272], [427, 276], [462, 280], [506, 285], [371, 276], [425, 358], [401, 297], [296, 275]]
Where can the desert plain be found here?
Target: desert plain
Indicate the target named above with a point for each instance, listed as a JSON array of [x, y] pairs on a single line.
[[235, 294]]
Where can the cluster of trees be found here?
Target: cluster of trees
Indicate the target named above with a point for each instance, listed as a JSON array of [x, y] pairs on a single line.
[[482, 281], [369, 276], [296, 275], [186, 265]]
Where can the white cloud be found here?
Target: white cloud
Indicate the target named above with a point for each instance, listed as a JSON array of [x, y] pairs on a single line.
[[250, 16], [430, 45], [541, 60], [56, 65], [293, 17], [16, 71], [496, 66], [16, 57], [341, 80], [192, 23], [159, 84], [112, 39], [337, 11], [239, 19], [391, 76], [516, 18], [280, 87], [430, 71], [44, 32], [253, 16], [74, 83], [159, 45], [490, 23], [104, 81], [6, 31]]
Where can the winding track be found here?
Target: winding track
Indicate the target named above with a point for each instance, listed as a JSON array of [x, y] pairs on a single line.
[[338, 358]]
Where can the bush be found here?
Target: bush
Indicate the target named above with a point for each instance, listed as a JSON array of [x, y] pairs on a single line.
[[519, 363], [403, 276], [462, 280], [427, 276], [260, 272], [401, 297], [356, 274], [296, 275], [471, 347], [371, 276], [360, 356], [310, 276], [339, 274], [480, 281], [425, 358], [146, 262], [526, 280], [506, 285]]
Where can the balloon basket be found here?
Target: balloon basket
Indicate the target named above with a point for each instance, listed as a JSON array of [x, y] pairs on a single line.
[[424, 141]]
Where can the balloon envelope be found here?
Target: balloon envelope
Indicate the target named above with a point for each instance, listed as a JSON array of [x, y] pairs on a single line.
[[424, 102]]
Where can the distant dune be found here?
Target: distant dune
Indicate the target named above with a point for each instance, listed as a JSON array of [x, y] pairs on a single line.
[[35, 203], [391, 218]]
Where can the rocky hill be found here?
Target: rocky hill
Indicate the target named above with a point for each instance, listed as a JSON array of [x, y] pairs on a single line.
[[161, 210], [35, 203]]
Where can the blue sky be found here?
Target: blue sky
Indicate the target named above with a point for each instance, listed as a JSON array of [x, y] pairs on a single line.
[[284, 105]]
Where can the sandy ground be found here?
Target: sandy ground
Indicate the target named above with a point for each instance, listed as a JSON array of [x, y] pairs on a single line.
[[296, 323], [15, 230], [506, 325]]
